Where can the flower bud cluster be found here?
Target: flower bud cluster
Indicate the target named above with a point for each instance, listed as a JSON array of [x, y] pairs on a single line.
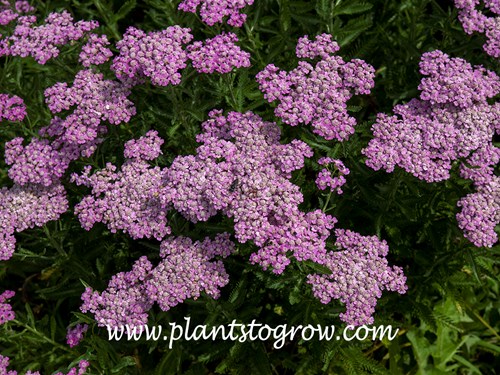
[[360, 272], [318, 94], [6, 312], [41, 42], [126, 200], [185, 271], [213, 12], [12, 108], [158, 55], [218, 54], [474, 20], [95, 52], [325, 178]]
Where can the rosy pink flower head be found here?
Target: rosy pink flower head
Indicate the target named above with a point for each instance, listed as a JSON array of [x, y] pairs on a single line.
[[325, 178], [75, 334], [9, 13], [12, 108], [95, 52], [6, 312], [213, 12], [318, 94], [218, 54], [157, 55]]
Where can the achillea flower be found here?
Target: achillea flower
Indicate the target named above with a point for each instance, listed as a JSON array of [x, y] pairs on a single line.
[[318, 94], [4, 363], [6, 312], [126, 200], [325, 178], [23, 207], [9, 14], [474, 20], [95, 52], [218, 54], [360, 273], [185, 271], [80, 370], [12, 108], [96, 100], [213, 12], [41, 42], [157, 55], [75, 334]]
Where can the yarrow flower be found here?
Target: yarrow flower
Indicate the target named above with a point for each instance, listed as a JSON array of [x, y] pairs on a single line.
[[318, 94], [186, 270], [218, 54], [360, 273], [95, 52], [453, 120], [75, 334], [474, 20], [6, 312], [12, 108], [213, 12], [9, 13], [41, 42], [23, 207], [126, 200], [157, 55], [95, 100], [80, 370], [325, 178]]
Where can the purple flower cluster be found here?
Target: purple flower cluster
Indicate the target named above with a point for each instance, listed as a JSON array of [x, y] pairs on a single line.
[[36, 163], [128, 199], [318, 95], [12, 108], [360, 273], [96, 99], [451, 121], [185, 271], [80, 370], [473, 20], [95, 52], [325, 178], [6, 312], [158, 55], [23, 207], [218, 54], [9, 13], [41, 42], [213, 12], [75, 335]]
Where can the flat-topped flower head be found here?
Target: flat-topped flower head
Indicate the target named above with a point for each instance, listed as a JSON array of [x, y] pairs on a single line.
[[213, 12]]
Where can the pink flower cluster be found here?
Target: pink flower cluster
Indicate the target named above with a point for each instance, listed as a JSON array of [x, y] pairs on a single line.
[[6, 312], [12, 108], [95, 52], [185, 271], [41, 42], [75, 334], [128, 199], [360, 273], [23, 207], [213, 12], [157, 55], [451, 121], [474, 20], [325, 178], [96, 100], [9, 13], [318, 94], [218, 54], [80, 370]]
